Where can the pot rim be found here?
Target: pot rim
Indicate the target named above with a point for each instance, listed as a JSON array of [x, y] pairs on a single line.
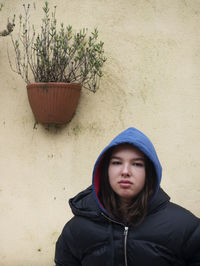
[[52, 84]]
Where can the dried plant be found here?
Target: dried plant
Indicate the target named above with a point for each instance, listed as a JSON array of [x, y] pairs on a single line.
[[54, 55], [9, 27]]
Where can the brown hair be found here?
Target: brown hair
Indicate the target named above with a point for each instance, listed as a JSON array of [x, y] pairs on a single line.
[[134, 212]]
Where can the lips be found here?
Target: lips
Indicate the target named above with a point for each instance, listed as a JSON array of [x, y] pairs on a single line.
[[125, 183]]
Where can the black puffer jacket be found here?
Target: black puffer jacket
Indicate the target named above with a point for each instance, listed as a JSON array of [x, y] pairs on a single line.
[[170, 235]]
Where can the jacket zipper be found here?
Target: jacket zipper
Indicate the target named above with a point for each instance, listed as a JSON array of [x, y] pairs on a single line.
[[125, 236], [125, 244]]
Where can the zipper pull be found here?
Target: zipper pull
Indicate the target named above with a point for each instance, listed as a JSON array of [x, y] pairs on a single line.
[[125, 230]]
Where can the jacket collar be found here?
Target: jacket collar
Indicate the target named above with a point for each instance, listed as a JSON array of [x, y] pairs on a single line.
[[159, 202], [84, 204]]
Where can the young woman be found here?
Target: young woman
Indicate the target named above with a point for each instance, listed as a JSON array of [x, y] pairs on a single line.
[[125, 218]]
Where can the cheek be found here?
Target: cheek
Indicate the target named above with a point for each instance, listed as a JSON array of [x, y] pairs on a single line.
[[142, 179], [140, 176]]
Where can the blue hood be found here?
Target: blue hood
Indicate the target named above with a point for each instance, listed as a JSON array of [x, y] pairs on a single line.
[[142, 142]]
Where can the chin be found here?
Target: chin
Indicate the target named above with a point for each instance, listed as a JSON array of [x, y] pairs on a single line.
[[127, 197]]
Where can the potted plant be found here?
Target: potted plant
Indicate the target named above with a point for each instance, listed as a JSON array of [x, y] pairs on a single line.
[[59, 62]]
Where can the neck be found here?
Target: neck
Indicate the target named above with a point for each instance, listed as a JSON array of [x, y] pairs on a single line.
[[124, 209]]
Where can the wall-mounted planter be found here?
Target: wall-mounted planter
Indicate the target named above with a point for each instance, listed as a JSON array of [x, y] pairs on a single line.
[[53, 103]]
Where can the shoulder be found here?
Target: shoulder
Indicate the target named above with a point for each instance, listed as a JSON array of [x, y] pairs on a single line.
[[172, 226], [73, 225], [166, 212], [84, 227], [163, 209], [181, 215], [81, 233], [72, 231], [185, 226], [172, 219]]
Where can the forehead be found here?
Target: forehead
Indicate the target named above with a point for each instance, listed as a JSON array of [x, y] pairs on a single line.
[[127, 148]]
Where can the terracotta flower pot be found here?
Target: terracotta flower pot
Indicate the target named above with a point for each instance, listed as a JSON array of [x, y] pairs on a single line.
[[53, 103]]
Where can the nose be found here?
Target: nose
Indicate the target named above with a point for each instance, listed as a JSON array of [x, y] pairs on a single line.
[[126, 170]]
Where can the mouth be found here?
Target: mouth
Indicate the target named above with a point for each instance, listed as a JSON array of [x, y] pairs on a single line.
[[125, 183]]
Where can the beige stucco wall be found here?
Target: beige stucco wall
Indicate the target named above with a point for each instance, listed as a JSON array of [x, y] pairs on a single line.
[[151, 81]]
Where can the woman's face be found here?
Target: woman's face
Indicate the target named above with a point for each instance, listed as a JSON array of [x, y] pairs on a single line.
[[126, 171]]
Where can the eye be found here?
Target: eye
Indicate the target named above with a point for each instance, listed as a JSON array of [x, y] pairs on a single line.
[[140, 164], [115, 162]]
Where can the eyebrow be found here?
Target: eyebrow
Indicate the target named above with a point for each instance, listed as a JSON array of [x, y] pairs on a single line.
[[134, 159]]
